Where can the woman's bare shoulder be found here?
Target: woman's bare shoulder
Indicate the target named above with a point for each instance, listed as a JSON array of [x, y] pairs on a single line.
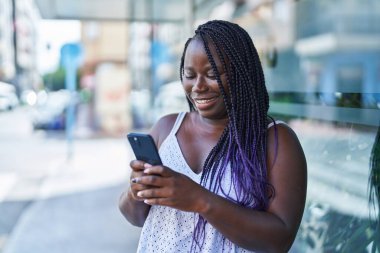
[[283, 144], [287, 173], [162, 128], [280, 129]]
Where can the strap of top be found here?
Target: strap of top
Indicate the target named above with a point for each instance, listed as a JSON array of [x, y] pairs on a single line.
[[178, 122], [277, 122]]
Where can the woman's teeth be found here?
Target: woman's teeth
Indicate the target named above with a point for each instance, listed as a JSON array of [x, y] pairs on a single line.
[[203, 101]]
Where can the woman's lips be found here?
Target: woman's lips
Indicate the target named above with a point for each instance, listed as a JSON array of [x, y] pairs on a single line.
[[205, 103], [204, 100]]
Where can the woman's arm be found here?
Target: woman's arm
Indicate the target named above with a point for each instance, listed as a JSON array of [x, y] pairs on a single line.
[[274, 230], [133, 209], [132, 206], [271, 231]]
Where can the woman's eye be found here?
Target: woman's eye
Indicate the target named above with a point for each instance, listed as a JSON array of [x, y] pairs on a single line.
[[189, 76], [211, 76]]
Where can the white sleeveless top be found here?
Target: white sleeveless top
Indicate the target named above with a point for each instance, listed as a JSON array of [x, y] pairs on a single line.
[[169, 230]]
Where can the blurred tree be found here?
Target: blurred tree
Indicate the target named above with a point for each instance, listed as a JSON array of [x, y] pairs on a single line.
[[56, 80]]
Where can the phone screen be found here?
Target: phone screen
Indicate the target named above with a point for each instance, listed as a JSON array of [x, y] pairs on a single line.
[[144, 148]]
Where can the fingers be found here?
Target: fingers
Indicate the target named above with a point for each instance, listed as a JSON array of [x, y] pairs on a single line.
[[135, 188], [150, 193], [152, 184], [157, 201], [137, 165], [163, 171], [158, 170], [150, 180], [138, 187], [156, 197]]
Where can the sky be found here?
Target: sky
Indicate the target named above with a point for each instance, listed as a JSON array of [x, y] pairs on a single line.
[[54, 33]]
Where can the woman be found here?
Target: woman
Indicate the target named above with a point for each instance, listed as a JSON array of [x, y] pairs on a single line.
[[233, 180]]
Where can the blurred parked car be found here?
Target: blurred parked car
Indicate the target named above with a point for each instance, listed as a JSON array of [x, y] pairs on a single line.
[[51, 113], [28, 97], [8, 97]]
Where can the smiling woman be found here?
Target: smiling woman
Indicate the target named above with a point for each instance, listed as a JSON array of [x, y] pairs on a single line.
[[233, 179]]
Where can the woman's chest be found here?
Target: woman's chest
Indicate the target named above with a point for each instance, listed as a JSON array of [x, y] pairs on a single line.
[[195, 150]]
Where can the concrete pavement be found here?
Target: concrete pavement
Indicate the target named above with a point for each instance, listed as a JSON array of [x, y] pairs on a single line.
[[76, 209]]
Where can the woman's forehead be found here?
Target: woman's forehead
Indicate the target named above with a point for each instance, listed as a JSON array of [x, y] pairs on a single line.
[[198, 41], [197, 44]]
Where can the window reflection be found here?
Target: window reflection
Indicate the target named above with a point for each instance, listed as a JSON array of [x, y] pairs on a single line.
[[374, 192], [337, 213], [325, 84]]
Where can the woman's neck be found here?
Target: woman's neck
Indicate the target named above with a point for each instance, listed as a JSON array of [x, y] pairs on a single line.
[[206, 126]]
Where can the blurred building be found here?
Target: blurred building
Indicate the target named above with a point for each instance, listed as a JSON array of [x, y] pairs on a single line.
[[27, 18], [343, 46], [18, 37], [105, 74], [330, 59], [7, 63]]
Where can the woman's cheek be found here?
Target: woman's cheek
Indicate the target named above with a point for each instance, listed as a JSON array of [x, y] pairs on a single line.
[[187, 87]]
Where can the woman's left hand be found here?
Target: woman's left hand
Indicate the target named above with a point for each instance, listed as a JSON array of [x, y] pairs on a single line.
[[171, 189]]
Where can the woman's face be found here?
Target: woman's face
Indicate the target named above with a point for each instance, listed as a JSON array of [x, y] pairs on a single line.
[[201, 84]]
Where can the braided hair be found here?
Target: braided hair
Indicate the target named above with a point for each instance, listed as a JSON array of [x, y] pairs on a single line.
[[243, 142]]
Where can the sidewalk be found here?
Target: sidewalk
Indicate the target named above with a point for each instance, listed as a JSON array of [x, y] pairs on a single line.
[[77, 208]]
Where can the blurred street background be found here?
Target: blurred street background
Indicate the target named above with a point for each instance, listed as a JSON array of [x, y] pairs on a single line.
[[49, 203], [76, 76]]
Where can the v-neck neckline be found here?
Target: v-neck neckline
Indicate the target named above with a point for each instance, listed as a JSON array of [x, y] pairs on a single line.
[[179, 149], [184, 159]]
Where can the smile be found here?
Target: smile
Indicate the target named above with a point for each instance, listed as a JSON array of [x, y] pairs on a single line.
[[204, 100]]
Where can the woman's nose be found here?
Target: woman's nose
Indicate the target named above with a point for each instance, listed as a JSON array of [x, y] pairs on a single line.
[[199, 85]]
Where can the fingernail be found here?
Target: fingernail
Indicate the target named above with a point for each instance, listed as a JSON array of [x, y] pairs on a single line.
[[146, 171], [146, 201], [147, 165], [139, 194]]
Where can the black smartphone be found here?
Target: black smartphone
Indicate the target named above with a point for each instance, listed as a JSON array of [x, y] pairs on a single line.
[[144, 148]]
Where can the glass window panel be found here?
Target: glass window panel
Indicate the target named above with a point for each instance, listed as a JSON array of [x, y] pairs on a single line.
[[324, 82]]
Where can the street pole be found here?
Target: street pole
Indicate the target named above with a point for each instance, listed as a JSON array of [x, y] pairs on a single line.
[[71, 55]]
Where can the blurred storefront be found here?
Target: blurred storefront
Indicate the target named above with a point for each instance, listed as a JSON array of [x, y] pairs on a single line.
[[105, 76], [124, 43]]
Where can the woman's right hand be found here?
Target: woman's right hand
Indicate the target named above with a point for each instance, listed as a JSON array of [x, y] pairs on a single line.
[[131, 206], [137, 172]]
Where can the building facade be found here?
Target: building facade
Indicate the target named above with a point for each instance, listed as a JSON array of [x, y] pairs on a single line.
[[106, 75], [18, 39]]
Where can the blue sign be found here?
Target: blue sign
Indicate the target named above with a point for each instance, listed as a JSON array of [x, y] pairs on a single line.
[[71, 58]]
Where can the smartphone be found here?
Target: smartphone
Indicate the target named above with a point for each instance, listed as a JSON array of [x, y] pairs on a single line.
[[144, 148]]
